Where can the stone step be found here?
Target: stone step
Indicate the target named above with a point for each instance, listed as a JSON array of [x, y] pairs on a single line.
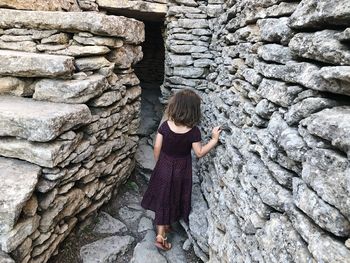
[[18, 180], [100, 24], [37, 120], [105, 250], [147, 252], [25, 64]]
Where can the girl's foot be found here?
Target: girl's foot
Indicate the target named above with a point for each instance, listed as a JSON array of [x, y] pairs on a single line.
[[162, 243]]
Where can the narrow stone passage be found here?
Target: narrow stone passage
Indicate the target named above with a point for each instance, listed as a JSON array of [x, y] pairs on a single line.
[[123, 231]]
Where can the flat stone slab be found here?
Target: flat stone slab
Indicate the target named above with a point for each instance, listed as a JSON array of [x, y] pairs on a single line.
[[332, 125], [43, 154], [40, 121], [105, 250], [139, 9], [100, 24], [24, 64], [70, 91], [146, 251], [18, 181], [107, 224]]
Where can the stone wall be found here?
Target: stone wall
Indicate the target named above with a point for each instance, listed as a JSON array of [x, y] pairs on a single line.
[[69, 113], [277, 187]]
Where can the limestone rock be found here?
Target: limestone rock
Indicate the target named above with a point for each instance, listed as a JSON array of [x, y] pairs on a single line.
[[188, 72], [5, 258], [11, 240], [178, 60], [41, 121], [318, 165], [276, 248], [126, 56], [55, 5], [100, 24], [105, 250], [16, 86], [144, 158], [315, 14], [92, 63], [333, 125], [145, 224], [64, 206], [99, 41], [60, 38], [18, 183], [108, 225], [322, 213], [306, 74], [278, 92], [43, 154], [322, 247], [106, 99], [81, 51], [186, 49], [27, 46], [129, 215], [70, 91], [275, 53], [306, 107], [275, 30], [153, 7], [320, 46], [338, 73], [22, 64], [146, 251]]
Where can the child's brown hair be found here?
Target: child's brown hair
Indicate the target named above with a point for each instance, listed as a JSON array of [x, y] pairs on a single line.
[[184, 108]]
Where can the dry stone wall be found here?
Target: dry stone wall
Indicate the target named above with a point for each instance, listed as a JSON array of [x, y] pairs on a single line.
[[277, 74], [69, 113]]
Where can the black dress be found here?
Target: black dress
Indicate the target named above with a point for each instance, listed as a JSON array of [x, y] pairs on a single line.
[[170, 186]]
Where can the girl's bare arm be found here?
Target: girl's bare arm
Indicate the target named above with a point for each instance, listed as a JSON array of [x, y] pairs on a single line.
[[157, 146], [200, 150]]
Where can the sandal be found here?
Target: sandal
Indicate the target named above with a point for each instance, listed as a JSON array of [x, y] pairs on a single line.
[[163, 245]]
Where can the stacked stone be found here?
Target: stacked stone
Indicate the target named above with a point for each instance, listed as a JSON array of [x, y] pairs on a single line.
[[277, 186], [69, 110], [187, 47]]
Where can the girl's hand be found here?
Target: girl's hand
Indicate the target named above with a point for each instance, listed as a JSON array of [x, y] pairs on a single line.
[[216, 133]]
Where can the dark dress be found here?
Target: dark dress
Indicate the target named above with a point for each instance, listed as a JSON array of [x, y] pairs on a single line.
[[170, 187]]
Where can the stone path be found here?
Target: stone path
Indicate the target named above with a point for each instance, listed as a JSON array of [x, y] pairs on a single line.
[[123, 231]]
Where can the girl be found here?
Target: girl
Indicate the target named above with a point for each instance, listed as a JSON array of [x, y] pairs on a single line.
[[170, 186]]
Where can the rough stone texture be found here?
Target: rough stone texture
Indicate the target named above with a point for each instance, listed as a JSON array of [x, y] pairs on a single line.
[[56, 5], [21, 64], [332, 125], [70, 91], [316, 14], [105, 250], [316, 46], [276, 187], [41, 121], [131, 30], [78, 123], [108, 225], [142, 10], [18, 183], [15, 86], [273, 66]]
